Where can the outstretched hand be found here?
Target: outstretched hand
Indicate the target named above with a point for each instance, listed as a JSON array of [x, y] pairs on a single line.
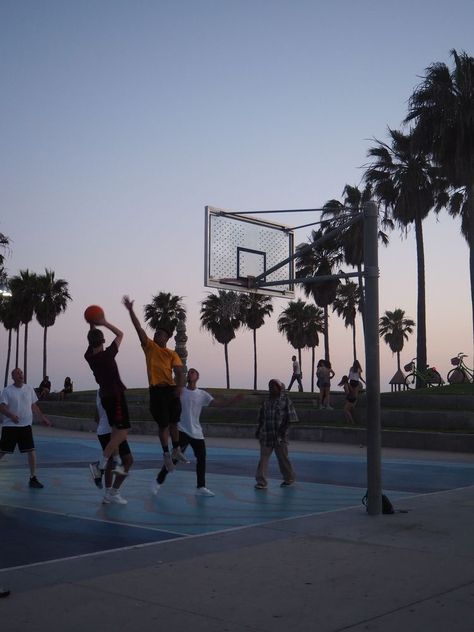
[[127, 302]]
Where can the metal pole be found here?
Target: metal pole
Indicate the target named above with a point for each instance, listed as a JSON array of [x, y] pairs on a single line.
[[371, 284]]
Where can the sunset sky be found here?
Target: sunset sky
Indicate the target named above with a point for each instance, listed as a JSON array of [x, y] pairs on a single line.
[[120, 120]]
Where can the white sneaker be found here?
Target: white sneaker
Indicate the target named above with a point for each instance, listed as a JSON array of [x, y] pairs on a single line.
[[117, 499], [119, 469], [329, 408], [168, 461], [106, 499], [203, 491], [155, 488], [178, 456]]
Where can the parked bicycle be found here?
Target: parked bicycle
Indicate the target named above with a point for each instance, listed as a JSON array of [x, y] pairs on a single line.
[[461, 372], [428, 376]]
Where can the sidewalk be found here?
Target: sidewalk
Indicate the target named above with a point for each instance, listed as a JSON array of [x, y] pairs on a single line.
[[337, 571]]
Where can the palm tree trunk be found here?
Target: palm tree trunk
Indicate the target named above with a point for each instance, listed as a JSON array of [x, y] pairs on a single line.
[[45, 335], [226, 356], [326, 333], [7, 365], [398, 361], [25, 354], [470, 210], [362, 296], [299, 360], [313, 354], [354, 350], [421, 300], [254, 359], [17, 353]]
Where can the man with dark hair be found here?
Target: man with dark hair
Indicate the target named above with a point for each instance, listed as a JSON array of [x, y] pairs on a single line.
[[17, 405], [166, 381], [112, 396]]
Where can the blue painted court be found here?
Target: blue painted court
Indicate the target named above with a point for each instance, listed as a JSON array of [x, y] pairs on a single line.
[[67, 517]]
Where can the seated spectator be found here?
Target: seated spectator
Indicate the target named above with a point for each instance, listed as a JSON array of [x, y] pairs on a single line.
[[44, 388], [68, 384]]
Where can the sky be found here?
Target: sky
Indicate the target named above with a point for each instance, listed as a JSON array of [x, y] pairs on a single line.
[[120, 120]]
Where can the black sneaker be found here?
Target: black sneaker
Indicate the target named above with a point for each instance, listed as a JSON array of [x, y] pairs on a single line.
[[4, 592], [34, 482], [96, 474]]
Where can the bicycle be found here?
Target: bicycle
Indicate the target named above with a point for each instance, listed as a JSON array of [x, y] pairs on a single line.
[[429, 376], [461, 372]]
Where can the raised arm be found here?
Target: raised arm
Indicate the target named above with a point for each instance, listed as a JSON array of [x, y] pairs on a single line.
[[115, 330], [136, 323]]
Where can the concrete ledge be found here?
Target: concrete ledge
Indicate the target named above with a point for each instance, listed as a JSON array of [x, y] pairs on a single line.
[[394, 438]]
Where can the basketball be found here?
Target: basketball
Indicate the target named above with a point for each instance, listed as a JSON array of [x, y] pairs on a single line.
[[93, 313]]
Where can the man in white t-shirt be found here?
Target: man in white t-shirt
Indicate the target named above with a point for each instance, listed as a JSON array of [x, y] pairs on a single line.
[[193, 400], [297, 375], [17, 405]]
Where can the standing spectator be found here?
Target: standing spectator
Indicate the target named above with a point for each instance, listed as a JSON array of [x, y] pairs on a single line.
[[350, 399], [17, 405], [297, 375], [275, 415], [355, 378], [324, 373]]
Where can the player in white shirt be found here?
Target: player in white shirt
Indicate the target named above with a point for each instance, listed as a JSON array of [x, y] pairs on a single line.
[[193, 400], [17, 405]]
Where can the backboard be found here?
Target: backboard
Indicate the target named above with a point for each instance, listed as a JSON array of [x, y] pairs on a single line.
[[239, 248]]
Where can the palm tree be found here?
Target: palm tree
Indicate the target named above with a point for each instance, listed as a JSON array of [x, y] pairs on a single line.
[[292, 324], [220, 315], [24, 289], [11, 321], [394, 328], [346, 304], [405, 181], [53, 296], [165, 309], [320, 261], [254, 309], [314, 318], [351, 239], [442, 108]]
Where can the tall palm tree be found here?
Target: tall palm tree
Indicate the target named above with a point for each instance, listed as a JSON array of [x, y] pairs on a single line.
[[292, 324], [405, 180], [394, 328], [346, 305], [221, 317], [24, 289], [314, 318], [254, 309], [53, 296], [165, 309], [11, 321], [320, 260], [442, 109]]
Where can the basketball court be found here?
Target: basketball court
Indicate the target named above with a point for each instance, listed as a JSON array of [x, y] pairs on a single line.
[[67, 518]]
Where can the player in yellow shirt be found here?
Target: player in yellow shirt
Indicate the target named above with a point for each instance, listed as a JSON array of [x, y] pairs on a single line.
[[166, 380]]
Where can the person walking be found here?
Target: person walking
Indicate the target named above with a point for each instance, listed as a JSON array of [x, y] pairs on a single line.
[[166, 380], [112, 394], [18, 405], [113, 478], [297, 375], [275, 415]]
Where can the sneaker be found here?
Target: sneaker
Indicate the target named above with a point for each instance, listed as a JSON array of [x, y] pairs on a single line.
[[178, 456], [168, 461], [4, 592], [287, 483], [119, 469], [203, 491], [117, 499], [260, 486], [106, 499], [155, 488], [34, 483], [96, 474], [329, 408]]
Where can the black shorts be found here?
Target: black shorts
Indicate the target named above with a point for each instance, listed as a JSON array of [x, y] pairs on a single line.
[[117, 410], [354, 383], [165, 407], [13, 436], [124, 448]]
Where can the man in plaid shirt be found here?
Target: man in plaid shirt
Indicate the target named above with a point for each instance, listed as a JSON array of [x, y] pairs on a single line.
[[275, 415]]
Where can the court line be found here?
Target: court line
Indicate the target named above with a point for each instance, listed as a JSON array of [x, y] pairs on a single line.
[[71, 515]]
